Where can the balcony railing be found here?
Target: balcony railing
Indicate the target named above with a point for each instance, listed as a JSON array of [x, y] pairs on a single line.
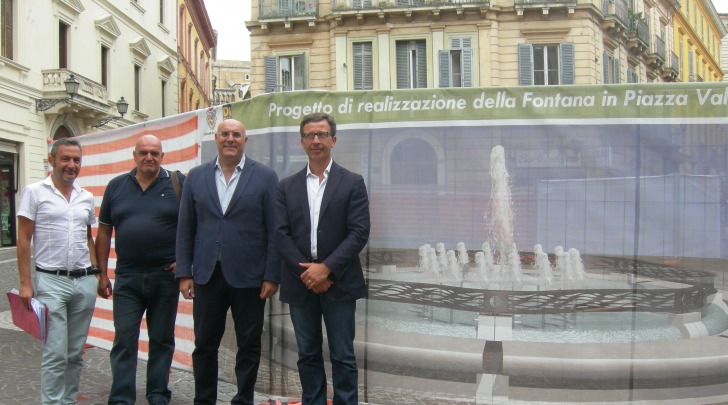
[[92, 97], [287, 8], [539, 3], [343, 5], [618, 9], [659, 48], [642, 28]]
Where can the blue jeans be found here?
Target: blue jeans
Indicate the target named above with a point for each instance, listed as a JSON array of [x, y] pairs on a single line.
[[339, 318], [70, 304], [134, 292]]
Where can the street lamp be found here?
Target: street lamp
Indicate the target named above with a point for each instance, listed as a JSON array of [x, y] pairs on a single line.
[[121, 106], [72, 85]]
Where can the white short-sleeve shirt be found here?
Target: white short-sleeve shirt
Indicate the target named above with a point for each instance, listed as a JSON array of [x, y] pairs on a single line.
[[59, 236]]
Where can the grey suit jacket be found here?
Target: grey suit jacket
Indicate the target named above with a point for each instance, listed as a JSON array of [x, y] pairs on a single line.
[[242, 237]]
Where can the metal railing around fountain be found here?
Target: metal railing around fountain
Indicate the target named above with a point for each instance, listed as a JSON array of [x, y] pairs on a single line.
[[696, 286]]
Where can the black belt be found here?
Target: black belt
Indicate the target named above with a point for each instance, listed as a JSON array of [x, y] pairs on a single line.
[[88, 271]]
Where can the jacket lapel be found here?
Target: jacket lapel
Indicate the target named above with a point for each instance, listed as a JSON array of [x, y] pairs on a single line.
[[301, 192], [211, 180], [245, 175], [332, 183]]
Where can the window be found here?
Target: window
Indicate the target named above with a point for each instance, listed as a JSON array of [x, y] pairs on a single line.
[[691, 73], [456, 64], [285, 73], [164, 98], [363, 66], [632, 76], [7, 28], [411, 64], [62, 45], [546, 65], [361, 3], [611, 69], [161, 12], [413, 161], [104, 66], [137, 86]]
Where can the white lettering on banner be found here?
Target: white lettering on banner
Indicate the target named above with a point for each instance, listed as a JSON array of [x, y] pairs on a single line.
[[557, 101], [391, 105], [298, 111], [715, 98], [654, 100]]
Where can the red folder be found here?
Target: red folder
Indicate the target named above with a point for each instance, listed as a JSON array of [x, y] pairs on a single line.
[[32, 321]]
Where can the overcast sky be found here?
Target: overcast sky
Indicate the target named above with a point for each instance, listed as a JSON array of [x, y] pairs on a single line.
[[233, 43], [228, 19]]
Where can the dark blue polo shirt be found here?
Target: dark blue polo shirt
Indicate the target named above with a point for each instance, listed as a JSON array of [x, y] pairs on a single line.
[[145, 222]]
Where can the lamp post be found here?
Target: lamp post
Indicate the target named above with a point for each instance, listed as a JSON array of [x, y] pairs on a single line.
[[122, 106], [72, 85]]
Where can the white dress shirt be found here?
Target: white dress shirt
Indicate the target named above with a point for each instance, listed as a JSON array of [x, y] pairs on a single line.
[[225, 189], [315, 195], [60, 230]]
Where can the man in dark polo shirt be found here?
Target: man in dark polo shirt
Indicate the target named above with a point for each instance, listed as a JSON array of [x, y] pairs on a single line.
[[142, 206]]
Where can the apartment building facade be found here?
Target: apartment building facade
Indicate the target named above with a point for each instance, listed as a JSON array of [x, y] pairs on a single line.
[[196, 40], [104, 51], [393, 44]]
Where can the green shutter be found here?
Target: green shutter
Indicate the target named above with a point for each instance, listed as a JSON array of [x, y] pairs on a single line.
[[444, 56], [525, 65], [566, 51], [271, 69]]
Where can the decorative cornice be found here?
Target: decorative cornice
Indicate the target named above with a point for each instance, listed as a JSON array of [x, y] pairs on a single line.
[[140, 48], [107, 24], [74, 6], [166, 65]]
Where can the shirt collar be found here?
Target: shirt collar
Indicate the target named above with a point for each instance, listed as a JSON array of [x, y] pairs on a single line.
[[326, 171], [162, 173], [49, 182], [239, 167]]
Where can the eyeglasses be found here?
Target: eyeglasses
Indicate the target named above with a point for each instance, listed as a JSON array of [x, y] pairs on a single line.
[[225, 134], [310, 135]]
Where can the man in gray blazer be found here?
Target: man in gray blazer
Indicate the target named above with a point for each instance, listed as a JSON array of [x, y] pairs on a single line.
[[226, 258]]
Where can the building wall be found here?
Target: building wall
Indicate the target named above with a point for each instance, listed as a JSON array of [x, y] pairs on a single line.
[[326, 30], [195, 43], [134, 35], [699, 32], [231, 81]]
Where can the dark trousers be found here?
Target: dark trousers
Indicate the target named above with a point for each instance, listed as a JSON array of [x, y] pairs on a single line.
[[339, 319], [156, 293], [209, 311]]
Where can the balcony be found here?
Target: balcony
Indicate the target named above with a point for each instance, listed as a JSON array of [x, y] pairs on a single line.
[[616, 17], [277, 9], [671, 72], [656, 58], [91, 102], [638, 40], [380, 8], [545, 6]]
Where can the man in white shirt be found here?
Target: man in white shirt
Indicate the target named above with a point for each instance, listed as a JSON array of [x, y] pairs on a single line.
[[57, 215]]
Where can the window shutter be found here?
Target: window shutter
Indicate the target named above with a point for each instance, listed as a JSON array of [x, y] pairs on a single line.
[[525, 65], [606, 63], [356, 3], [304, 75], [616, 71], [402, 66], [444, 56], [271, 73], [421, 79], [363, 69], [567, 62], [629, 75], [468, 67]]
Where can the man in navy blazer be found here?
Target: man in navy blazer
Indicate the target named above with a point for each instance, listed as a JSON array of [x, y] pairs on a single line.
[[226, 258], [323, 225]]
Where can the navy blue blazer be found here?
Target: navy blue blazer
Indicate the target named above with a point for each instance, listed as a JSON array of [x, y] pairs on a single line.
[[243, 237], [343, 232]]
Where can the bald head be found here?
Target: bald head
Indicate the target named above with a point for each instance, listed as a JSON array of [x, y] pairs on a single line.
[[148, 156]]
